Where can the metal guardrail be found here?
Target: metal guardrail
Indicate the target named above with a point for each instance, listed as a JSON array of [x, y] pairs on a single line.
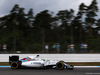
[[64, 57]]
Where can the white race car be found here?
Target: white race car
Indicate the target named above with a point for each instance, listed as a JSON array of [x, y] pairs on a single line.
[[36, 62]]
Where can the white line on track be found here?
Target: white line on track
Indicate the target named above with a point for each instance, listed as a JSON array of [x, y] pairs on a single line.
[[86, 66]]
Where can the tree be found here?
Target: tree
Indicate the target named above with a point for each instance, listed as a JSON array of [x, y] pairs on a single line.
[[16, 27], [71, 17], [98, 24], [63, 20], [30, 17], [62, 17], [91, 14], [66, 17], [43, 22], [98, 27], [80, 21]]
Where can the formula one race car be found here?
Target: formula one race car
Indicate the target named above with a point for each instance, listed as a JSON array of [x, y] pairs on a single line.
[[36, 62]]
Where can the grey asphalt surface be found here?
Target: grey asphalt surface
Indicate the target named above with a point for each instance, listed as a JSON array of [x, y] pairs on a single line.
[[76, 71]]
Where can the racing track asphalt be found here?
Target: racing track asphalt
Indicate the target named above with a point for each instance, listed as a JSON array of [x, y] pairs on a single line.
[[76, 71]]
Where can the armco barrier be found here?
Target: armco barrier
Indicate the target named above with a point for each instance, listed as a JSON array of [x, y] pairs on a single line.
[[64, 57]]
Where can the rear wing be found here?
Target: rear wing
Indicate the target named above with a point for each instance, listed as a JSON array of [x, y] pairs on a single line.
[[13, 58]]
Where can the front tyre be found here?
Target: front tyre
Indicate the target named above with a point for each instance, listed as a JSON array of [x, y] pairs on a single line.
[[59, 65]]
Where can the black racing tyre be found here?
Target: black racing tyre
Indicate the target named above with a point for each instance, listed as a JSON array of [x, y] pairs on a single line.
[[14, 65], [59, 65]]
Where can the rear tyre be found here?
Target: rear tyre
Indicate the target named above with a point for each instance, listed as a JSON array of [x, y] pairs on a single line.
[[14, 65], [60, 66]]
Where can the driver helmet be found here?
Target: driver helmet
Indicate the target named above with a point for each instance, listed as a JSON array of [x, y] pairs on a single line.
[[43, 59]]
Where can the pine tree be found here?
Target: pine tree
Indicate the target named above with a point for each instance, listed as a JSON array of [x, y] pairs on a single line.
[[80, 20], [91, 14], [98, 27], [42, 23], [43, 20], [66, 17], [30, 17]]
